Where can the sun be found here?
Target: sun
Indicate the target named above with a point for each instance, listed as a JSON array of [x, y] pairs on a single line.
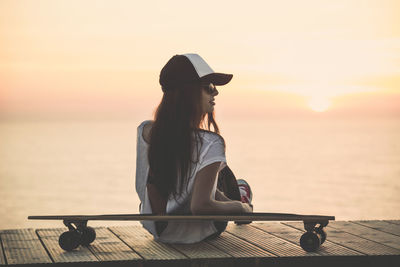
[[319, 104]]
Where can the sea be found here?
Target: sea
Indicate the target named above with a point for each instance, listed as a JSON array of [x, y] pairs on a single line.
[[344, 167]]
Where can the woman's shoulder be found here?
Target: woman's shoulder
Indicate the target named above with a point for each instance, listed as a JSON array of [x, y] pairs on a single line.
[[145, 123], [146, 127], [210, 137]]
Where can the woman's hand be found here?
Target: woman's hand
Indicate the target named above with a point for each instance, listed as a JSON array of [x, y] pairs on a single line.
[[203, 203]]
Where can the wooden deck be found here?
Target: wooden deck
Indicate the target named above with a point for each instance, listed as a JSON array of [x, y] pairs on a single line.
[[349, 243]]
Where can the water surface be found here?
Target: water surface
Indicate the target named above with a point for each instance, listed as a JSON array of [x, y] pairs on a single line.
[[349, 168]]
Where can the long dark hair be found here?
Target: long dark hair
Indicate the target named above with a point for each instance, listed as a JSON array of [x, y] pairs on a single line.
[[175, 136]]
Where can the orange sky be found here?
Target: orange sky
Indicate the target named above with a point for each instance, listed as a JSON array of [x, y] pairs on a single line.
[[88, 57]]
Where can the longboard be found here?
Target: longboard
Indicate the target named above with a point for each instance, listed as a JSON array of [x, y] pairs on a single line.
[[81, 234]]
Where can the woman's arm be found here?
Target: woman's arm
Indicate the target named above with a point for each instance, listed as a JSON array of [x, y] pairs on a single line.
[[220, 196], [203, 203]]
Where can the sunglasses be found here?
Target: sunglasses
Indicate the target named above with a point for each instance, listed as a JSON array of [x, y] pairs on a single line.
[[210, 88]]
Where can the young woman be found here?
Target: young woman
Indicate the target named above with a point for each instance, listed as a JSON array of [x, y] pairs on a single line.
[[179, 157]]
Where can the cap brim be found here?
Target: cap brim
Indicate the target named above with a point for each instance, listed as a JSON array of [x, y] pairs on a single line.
[[217, 78]]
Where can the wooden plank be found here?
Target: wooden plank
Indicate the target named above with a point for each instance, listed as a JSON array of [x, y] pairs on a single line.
[[243, 253], [108, 247], [293, 235], [271, 243], [203, 254], [50, 239], [368, 233], [383, 226], [353, 242], [200, 250], [2, 258], [237, 247], [142, 242], [22, 246]]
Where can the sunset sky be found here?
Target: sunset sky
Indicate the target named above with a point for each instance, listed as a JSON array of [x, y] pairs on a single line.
[[287, 57]]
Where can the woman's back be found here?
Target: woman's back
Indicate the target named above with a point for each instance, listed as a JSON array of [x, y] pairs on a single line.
[[211, 151]]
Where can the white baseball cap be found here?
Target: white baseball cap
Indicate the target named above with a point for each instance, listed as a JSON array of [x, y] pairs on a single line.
[[190, 68]]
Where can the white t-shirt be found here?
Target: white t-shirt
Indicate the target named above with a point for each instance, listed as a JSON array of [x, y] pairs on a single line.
[[211, 151]]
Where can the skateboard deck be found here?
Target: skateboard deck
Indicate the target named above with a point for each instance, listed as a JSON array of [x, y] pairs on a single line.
[[81, 234]]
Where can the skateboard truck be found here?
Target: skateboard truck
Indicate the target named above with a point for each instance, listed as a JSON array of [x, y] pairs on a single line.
[[314, 236], [78, 224], [80, 234]]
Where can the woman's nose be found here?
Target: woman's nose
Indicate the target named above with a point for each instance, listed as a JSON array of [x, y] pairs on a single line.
[[215, 92]]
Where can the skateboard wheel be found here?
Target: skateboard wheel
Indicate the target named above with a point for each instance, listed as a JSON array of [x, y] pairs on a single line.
[[69, 240], [310, 241], [88, 236], [322, 233]]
